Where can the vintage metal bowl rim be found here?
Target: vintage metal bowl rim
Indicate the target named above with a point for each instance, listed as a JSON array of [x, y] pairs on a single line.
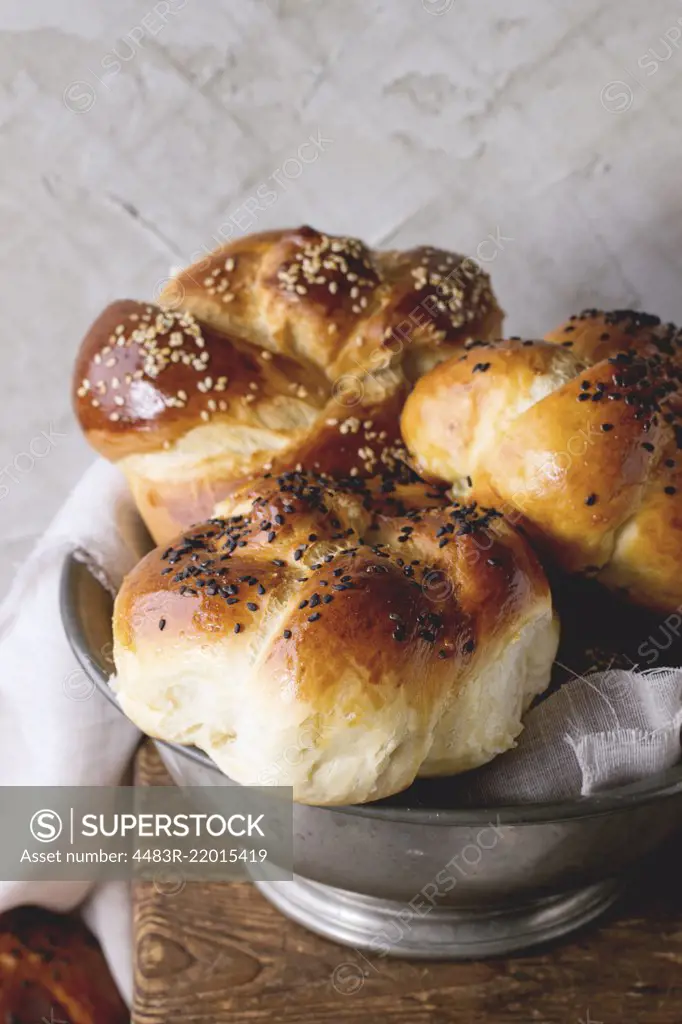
[[661, 786]]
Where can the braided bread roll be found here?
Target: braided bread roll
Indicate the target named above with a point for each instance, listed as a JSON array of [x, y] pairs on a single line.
[[337, 637], [280, 349], [577, 437]]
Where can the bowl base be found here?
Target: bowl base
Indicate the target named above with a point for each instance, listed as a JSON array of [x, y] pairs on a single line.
[[390, 928]]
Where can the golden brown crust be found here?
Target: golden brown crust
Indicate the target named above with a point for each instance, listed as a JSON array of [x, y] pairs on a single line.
[[334, 301], [596, 334], [367, 550], [51, 969], [146, 375], [259, 354], [580, 443], [339, 636]]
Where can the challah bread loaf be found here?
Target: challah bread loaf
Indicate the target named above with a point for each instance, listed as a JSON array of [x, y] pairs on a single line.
[[339, 637], [281, 349], [577, 438], [51, 969]]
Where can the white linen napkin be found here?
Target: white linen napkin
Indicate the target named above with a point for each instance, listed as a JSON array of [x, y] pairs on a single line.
[[55, 730], [599, 731]]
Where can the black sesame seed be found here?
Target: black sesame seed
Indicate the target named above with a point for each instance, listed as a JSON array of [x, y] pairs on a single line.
[[162, 623], [303, 604], [670, 463], [252, 606], [314, 617], [583, 397], [443, 542], [327, 598], [237, 627], [442, 653], [399, 633], [469, 646], [606, 427], [314, 600], [670, 490], [298, 553], [585, 385], [591, 499], [647, 445], [271, 536], [287, 634]]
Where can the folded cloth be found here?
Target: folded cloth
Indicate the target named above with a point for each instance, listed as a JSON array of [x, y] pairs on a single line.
[[599, 731], [55, 730]]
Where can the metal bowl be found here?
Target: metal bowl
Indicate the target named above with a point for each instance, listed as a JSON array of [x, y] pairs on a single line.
[[411, 876]]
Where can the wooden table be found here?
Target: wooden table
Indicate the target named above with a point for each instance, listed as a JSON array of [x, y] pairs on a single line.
[[214, 953]]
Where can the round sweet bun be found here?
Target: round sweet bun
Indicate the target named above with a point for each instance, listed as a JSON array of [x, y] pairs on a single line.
[[281, 349], [51, 969], [339, 637], [577, 438]]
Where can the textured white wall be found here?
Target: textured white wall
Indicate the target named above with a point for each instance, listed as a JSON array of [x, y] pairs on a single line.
[[134, 133]]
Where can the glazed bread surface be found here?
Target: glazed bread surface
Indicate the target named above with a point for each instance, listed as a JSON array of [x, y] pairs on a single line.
[[51, 969], [577, 438], [282, 349], [339, 637]]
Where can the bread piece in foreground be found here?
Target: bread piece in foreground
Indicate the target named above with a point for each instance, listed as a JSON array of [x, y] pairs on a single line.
[[338, 637], [52, 969]]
